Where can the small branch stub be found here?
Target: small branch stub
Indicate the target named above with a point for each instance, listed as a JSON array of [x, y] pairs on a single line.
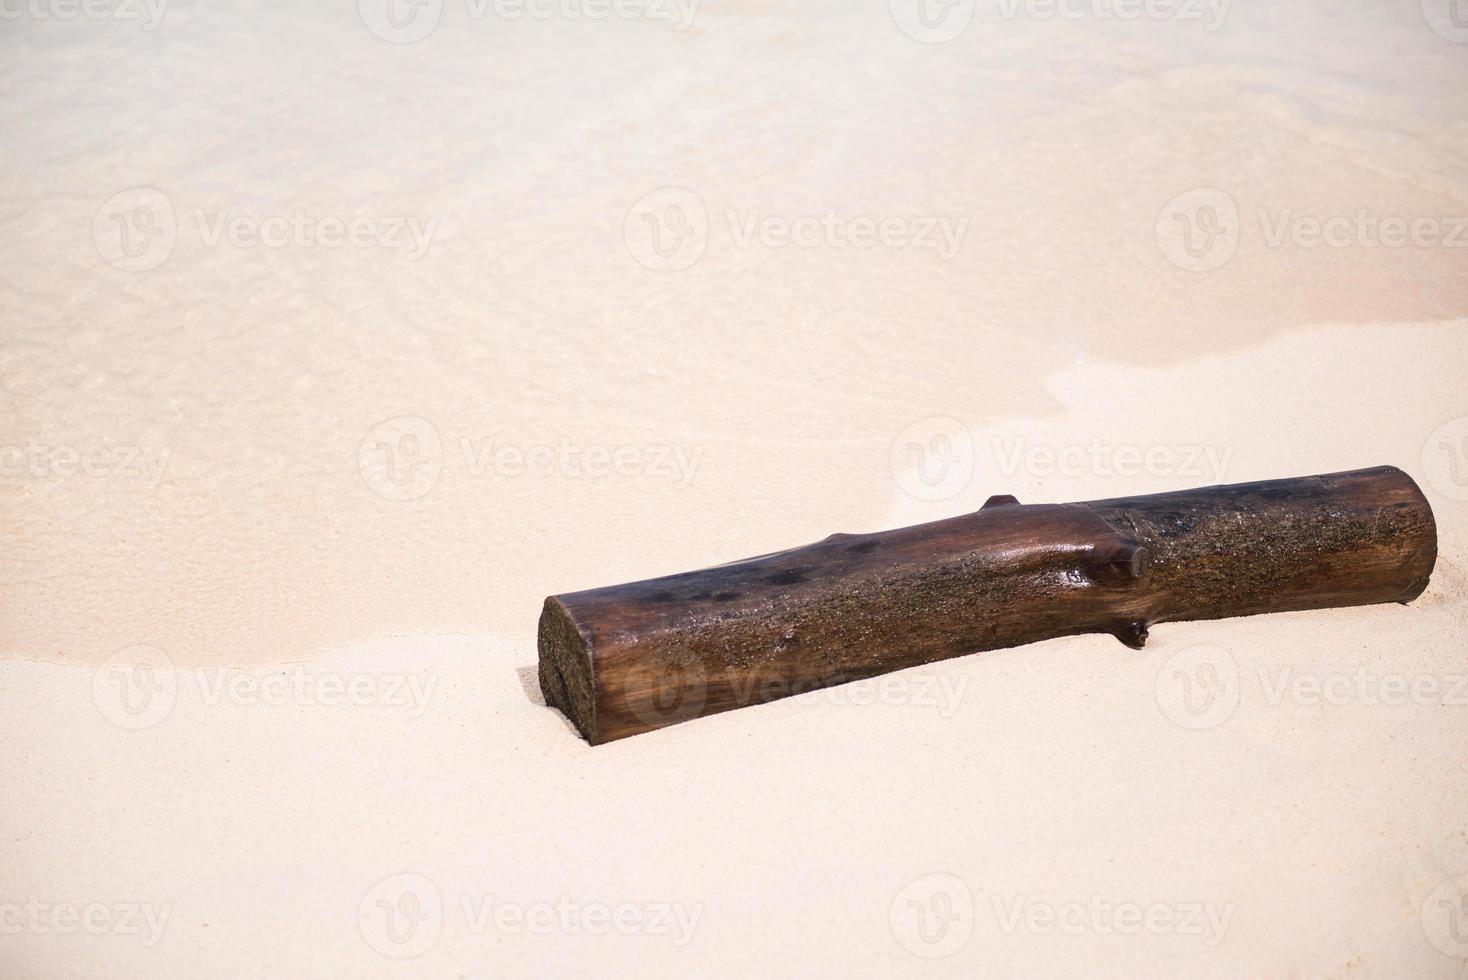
[[632, 658]]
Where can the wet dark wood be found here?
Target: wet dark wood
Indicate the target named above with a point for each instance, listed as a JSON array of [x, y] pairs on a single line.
[[631, 658]]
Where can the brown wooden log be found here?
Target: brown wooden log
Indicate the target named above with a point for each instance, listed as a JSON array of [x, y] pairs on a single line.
[[630, 658]]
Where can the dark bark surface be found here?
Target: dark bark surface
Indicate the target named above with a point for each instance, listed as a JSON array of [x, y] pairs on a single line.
[[630, 658]]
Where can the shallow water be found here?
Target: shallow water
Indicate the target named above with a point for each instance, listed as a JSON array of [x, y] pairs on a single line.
[[195, 453]]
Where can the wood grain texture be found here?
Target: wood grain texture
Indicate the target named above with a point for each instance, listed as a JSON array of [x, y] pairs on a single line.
[[630, 658]]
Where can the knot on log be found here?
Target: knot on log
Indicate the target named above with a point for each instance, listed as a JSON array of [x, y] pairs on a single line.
[[1118, 561]]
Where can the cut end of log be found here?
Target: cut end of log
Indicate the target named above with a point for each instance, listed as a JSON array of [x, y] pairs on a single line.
[[565, 668]]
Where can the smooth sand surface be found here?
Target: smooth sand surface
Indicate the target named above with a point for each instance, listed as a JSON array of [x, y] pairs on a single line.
[[627, 299]]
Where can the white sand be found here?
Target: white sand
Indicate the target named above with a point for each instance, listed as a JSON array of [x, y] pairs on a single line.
[[193, 475]]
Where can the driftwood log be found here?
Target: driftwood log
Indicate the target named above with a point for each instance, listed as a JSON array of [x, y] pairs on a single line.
[[630, 658]]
